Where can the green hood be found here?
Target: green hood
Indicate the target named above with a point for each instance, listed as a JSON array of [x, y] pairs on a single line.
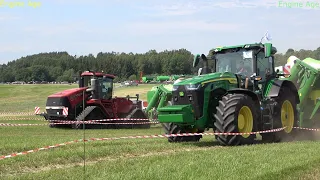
[[206, 77]]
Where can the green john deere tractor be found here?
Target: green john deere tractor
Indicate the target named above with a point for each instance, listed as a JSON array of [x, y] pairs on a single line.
[[244, 94]]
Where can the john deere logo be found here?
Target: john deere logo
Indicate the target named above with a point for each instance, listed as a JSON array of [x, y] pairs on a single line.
[[181, 93]]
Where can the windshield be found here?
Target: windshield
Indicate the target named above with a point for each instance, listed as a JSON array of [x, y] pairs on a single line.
[[239, 62], [107, 86]]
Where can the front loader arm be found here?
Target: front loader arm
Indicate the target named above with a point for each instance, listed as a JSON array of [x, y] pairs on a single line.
[[160, 98]]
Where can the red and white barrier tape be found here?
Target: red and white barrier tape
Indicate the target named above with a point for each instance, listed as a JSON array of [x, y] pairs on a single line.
[[15, 113], [139, 137], [73, 122], [130, 137], [117, 119], [100, 120], [16, 119], [309, 129], [9, 124], [38, 149]]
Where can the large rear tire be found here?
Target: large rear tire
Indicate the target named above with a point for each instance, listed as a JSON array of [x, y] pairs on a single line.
[[171, 128], [285, 115], [236, 113]]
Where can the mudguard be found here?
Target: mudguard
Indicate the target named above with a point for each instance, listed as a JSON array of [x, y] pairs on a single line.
[[254, 96], [277, 85]]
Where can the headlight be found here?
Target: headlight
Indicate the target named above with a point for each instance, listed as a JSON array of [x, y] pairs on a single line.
[[175, 87], [191, 87]]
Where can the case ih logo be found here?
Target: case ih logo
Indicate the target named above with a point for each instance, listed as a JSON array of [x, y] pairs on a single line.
[[73, 97]]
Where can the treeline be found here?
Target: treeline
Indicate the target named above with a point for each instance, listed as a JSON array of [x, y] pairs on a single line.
[[60, 66], [281, 59]]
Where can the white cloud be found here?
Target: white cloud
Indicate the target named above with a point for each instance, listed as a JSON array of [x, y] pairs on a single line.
[[172, 9], [47, 30], [8, 17], [177, 27], [89, 2], [186, 7], [13, 48], [189, 7], [65, 2], [246, 4]]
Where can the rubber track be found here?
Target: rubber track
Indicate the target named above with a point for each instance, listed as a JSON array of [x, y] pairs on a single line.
[[147, 126], [85, 113]]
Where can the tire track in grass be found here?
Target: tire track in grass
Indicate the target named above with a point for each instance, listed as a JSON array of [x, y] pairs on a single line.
[[26, 170]]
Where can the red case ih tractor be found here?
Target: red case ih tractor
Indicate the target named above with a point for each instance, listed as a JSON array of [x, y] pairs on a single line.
[[93, 101]]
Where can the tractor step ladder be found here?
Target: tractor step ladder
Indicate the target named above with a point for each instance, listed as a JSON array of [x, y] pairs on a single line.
[[266, 120]]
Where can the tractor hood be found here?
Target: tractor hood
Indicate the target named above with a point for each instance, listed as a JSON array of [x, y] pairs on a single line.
[[68, 98], [208, 78], [68, 92]]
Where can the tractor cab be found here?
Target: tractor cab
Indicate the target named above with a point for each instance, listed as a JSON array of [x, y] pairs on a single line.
[[100, 85], [252, 63]]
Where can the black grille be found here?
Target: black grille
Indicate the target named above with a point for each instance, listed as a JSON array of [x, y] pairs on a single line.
[[196, 99], [58, 101], [54, 111], [57, 113]]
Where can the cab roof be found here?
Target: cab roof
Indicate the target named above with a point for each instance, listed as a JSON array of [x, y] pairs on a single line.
[[249, 46], [99, 74]]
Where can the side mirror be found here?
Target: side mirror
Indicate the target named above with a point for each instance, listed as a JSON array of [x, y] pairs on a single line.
[[267, 49], [196, 60], [199, 71]]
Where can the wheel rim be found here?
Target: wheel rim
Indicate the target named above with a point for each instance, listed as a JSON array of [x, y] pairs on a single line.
[[245, 121], [287, 116]]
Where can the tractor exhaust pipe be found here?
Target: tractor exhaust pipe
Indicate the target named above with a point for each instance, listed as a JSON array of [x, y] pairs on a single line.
[[80, 80], [205, 69], [205, 64]]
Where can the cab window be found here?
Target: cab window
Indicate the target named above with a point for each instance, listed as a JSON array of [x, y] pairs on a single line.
[[107, 86], [264, 66]]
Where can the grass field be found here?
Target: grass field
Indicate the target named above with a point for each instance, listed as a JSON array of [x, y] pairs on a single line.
[[135, 158], [24, 98]]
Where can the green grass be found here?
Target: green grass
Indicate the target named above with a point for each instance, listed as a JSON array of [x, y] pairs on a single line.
[[148, 158], [136, 158], [24, 98]]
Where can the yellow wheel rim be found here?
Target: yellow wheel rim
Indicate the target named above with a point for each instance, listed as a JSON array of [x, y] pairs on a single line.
[[245, 121], [287, 116]]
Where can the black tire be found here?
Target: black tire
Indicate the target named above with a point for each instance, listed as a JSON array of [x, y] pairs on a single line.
[[285, 95], [171, 128], [138, 114], [227, 119]]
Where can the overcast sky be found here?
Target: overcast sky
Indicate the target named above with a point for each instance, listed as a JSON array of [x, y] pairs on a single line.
[[81, 27]]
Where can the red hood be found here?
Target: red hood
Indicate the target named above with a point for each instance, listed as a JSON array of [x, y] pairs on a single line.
[[68, 92]]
